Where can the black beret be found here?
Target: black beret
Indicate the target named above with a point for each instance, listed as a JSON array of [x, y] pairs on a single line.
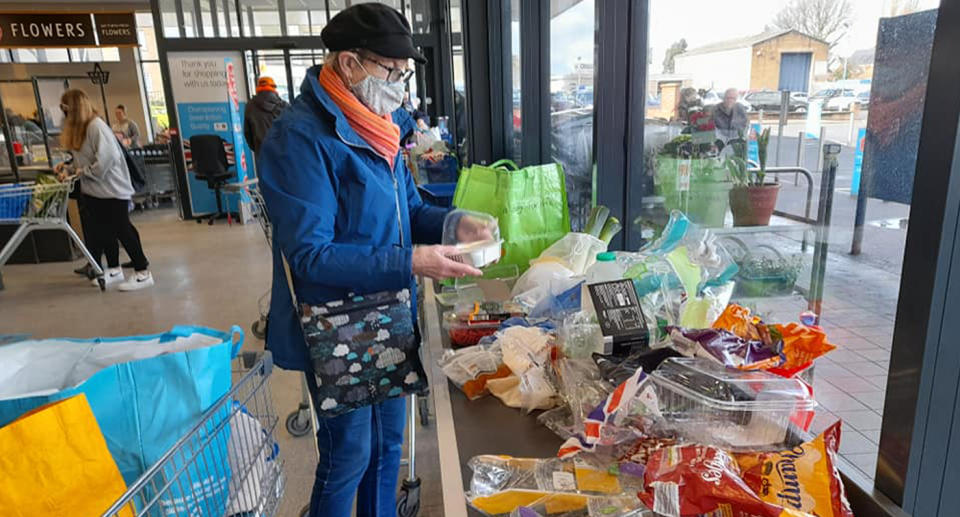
[[374, 27]]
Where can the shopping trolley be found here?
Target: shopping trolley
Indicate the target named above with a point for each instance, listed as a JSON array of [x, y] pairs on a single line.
[[232, 444], [39, 206], [303, 419]]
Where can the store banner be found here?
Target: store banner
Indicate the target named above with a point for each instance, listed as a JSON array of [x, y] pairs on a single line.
[[858, 162], [210, 100], [32, 30], [116, 29]]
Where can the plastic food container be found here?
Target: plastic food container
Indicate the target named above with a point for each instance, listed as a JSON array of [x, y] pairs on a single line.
[[469, 333], [470, 322], [480, 253], [710, 404]]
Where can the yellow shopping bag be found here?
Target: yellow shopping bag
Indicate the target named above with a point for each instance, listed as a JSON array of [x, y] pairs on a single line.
[[54, 462]]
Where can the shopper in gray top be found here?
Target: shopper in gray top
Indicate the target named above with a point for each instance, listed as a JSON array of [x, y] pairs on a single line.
[[106, 188]]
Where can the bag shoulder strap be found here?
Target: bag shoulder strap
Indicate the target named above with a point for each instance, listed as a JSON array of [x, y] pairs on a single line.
[[286, 271]]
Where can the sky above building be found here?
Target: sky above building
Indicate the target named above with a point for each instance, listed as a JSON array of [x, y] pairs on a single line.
[[700, 22]]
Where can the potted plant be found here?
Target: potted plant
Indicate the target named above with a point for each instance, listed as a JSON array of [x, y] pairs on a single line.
[[706, 199], [752, 200]]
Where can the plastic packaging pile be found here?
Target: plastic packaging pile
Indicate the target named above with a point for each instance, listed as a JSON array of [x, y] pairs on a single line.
[[705, 410]]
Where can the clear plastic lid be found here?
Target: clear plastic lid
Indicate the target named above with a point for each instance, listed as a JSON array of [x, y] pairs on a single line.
[[463, 227], [714, 385]]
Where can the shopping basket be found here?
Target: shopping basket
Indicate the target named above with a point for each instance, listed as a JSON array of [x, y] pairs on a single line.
[[39, 206], [234, 442]]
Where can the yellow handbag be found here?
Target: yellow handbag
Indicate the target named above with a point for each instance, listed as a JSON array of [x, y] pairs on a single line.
[[54, 461]]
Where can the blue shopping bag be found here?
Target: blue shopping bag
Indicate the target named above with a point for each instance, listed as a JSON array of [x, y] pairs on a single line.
[[146, 392]]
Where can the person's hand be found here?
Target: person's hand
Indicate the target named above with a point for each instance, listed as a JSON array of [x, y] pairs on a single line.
[[473, 229], [60, 170], [436, 262]]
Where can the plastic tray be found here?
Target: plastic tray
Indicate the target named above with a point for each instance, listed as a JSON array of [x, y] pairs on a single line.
[[711, 404]]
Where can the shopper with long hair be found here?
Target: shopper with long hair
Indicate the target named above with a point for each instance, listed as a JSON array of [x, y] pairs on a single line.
[[106, 189]]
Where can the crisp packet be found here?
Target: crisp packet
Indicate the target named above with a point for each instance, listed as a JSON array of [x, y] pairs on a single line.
[[727, 348], [804, 478], [801, 345], [693, 480], [737, 319]]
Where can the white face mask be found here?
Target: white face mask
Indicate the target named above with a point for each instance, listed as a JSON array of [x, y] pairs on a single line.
[[379, 95]]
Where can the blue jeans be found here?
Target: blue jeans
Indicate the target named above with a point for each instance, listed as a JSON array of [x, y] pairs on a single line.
[[359, 455]]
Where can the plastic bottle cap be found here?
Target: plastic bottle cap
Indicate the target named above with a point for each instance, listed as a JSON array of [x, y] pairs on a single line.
[[606, 256]]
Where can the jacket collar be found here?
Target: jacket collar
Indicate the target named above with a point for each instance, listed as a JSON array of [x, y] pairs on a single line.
[[312, 89]]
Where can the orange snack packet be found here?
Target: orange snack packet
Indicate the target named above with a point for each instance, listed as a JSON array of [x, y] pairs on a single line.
[[804, 478], [801, 345], [737, 319]]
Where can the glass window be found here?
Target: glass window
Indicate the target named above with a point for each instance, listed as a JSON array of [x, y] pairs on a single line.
[[5, 56], [710, 154], [25, 55], [419, 14], [146, 36], [229, 25], [20, 108], [156, 103], [572, 50], [270, 63], [306, 17], [516, 120], [168, 16], [260, 18]]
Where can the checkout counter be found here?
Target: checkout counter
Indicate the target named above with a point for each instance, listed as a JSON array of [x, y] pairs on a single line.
[[467, 428]]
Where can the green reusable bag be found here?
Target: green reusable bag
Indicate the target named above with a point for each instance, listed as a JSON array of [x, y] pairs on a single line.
[[530, 204]]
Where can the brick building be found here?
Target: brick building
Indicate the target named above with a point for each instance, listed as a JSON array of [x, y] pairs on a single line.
[[772, 60]]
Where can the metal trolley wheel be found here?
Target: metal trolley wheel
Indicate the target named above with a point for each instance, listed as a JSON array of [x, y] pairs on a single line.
[[259, 327], [408, 503], [297, 424]]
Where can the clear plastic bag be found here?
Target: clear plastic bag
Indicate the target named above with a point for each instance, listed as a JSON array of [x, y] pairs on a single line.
[[502, 484], [576, 251], [581, 387], [472, 367], [580, 335], [588, 506], [524, 348]]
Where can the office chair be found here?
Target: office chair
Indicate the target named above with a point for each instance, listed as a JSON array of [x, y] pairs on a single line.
[[210, 163]]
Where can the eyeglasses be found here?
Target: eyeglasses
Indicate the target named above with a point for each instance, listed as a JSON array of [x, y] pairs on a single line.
[[393, 74]]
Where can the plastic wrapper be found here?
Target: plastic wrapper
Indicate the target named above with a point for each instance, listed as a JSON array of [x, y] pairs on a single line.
[[542, 280], [537, 390], [798, 344], [470, 368], [585, 506], [502, 484], [559, 420], [694, 480], [469, 322], [564, 298], [617, 370], [726, 347], [575, 251], [581, 387], [620, 418], [524, 348], [804, 478], [580, 335]]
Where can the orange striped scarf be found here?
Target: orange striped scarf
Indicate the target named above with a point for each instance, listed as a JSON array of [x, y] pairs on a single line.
[[378, 131]]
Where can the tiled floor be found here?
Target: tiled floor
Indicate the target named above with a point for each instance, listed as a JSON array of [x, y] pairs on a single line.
[[850, 383]]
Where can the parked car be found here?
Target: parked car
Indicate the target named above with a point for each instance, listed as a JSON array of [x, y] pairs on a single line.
[[768, 100], [800, 96], [836, 99], [864, 99], [712, 98]]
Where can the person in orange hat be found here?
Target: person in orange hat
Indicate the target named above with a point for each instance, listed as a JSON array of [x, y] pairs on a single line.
[[260, 113]]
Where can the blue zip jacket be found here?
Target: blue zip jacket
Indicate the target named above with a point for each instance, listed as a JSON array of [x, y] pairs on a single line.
[[334, 205]]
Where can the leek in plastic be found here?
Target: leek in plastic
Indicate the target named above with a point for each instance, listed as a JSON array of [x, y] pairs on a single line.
[[598, 216], [610, 229]]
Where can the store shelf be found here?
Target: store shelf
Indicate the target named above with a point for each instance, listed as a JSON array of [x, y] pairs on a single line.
[[777, 224]]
